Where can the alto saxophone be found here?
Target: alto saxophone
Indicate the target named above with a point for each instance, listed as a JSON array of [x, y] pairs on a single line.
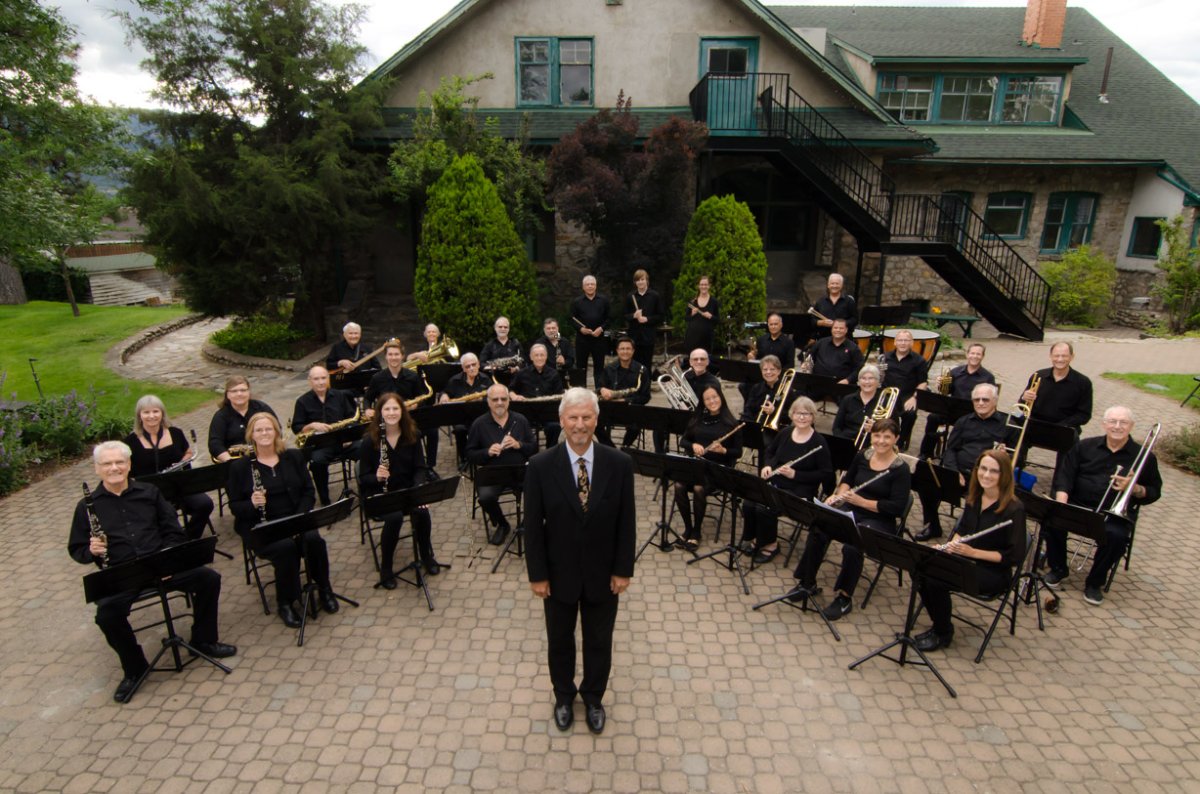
[[620, 394], [414, 402], [94, 529]]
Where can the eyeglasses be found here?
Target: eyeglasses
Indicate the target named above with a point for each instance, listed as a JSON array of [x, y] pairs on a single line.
[[1118, 422], [803, 413], [981, 399]]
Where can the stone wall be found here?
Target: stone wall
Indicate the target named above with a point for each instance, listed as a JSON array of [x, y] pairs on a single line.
[[574, 255]]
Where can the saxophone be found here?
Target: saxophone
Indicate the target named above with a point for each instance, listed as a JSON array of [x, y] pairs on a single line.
[[302, 438], [414, 402], [620, 394], [94, 529]]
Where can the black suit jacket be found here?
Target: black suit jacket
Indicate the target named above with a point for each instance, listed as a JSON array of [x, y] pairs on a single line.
[[577, 552]]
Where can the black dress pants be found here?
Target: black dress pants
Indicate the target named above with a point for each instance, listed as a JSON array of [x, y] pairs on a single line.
[[285, 559], [1108, 554], [594, 348], [852, 557], [936, 595], [196, 508], [598, 621], [112, 616], [760, 525], [390, 537], [489, 502]]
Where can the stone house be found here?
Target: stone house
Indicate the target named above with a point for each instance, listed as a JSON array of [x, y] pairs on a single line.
[[925, 153]]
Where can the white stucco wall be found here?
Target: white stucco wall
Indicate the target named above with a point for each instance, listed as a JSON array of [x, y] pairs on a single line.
[[648, 48], [1152, 197]]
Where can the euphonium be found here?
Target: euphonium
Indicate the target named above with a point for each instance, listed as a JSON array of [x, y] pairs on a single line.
[[770, 421], [806, 364], [302, 438], [883, 410], [444, 350], [678, 390]]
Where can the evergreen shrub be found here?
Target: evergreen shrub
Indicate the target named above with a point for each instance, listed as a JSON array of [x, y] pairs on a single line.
[[1081, 286]]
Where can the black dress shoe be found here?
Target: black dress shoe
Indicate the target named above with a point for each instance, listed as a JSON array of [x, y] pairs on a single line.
[[125, 688], [762, 557], [328, 601], [928, 533], [289, 616], [499, 535], [595, 718], [564, 715], [388, 582], [217, 650], [433, 567], [932, 641]]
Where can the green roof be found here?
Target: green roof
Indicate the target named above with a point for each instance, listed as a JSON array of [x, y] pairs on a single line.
[[1147, 120]]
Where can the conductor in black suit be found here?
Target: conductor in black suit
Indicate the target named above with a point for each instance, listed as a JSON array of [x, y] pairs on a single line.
[[579, 529]]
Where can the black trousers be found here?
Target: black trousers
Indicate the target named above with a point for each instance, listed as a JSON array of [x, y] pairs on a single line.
[[112, 616], [692, 519], [321, 459], [936, 595], [596, 349], [907, 420], [598, 621], [196, 509], [852, 557], [930, 439], [390, 537], [489, 502], [1108, 554], [643, 353], [460, 442], [604, 435], [285, 559], [432, 437], [760, 525]]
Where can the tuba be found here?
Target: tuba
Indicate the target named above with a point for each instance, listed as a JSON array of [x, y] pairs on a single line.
[[678, 390], [770, 421], [445, 350], [883, 410]]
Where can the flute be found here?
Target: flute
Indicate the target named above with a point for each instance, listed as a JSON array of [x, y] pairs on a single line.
[[793, 462], [837, 499], [716, 442], [975, 536]]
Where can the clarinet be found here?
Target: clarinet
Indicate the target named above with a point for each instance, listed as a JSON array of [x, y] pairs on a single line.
[[385, 461], [258, 486], [96, 531]]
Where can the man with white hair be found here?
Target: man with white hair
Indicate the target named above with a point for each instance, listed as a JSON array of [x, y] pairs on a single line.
[[135, 520], [579, 548], [464, 384], [836, 306], [590, 313], [348, 350], [1089, 473]]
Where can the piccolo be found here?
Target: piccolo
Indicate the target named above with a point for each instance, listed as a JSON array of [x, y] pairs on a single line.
[[721, 440], [975, 536], [793, 462]]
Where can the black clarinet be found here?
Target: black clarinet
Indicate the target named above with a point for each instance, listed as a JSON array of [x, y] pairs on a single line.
[[385, 461], [258, 486], [95, 530]]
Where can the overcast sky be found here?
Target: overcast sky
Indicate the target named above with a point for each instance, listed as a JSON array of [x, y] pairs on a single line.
[[1167, 32]]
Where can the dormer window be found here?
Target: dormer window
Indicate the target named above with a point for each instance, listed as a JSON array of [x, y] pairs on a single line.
[[971, 99]]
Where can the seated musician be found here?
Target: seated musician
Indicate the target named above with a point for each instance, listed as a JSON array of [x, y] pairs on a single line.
[[797, 461], [499, 437], [644, 311], [502, 346], [315, 412], [391, 459], [837, 305], [776, 343], [907, 371], [273, 483], [1085, 478], [459, 388], [875, 488], [1064, 395], [707, 436], [135, 521], [561, 355], [431, 335], [963, 380], [761, 396], [699, 378], [538, 380], [228, 426], [971, 435], [836, 356], [990, 501], [628, 381], [158, 445], [855, 410], [348, 350], [396, 379]]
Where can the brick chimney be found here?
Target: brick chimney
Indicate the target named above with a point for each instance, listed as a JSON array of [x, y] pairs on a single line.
[[1044, 22]]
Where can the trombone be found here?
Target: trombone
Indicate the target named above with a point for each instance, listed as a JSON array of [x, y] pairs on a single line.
[[883, 410], [1120, 505], [769, 420], [1020, 418]]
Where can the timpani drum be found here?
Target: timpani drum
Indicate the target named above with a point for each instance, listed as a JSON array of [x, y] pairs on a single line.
[[925, 343], [866, 340]]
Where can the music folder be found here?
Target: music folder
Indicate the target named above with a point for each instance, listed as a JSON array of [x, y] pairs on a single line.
[[148, 570]]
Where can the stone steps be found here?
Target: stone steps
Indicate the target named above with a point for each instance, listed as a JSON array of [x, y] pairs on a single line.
[[111, 289]]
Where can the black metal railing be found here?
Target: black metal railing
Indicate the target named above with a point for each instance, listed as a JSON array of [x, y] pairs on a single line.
[[729, 102], [950, 220]]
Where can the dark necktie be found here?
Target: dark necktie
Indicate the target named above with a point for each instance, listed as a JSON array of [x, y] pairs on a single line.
[[584, 486]]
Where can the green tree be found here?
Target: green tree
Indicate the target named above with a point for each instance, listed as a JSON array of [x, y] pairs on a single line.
[[447, 125], [1180, 288], [723, 243], [252, 190], [471, 265], [1081, 286], [51, 139]]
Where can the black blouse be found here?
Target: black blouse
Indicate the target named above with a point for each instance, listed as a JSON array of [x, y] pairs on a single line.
[[891, 491], [814, 471], [1010, 542], [150, 461], [851, 413], [406, 467], [288, 486], [706, 429], [228, 427]]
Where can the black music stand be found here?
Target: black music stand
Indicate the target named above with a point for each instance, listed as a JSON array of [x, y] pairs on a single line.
[[836, 524], [821, 387], [620, 412], [153, 572], [174, 485], [540, 412], [951, 408], [885, 315], [440, 415], [1073, 519], [921, 562], [276, 529], [405, 501], [512, 479], [936, 478], [737, 370], [666, 469], [1052, 437], [740, 486], [439, 374], [356, 381], [338, 440], [841, 451]]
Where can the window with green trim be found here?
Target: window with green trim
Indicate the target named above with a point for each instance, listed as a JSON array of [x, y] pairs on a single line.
[[1007, 214], [972, 98], [1069, 219], [554, 72], [967, 98], [907, 97], [1145, 238], [1031, 100]]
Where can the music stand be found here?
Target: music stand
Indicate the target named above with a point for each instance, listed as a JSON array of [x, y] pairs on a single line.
[[268, 532], [175, 485], [738, 371], [153, 572], [841, 451], [821, 387], [539, 412], [1071, 518], [936, 478], [818, 517], [666, 468], [439, 374], [885, 315], [952, 408], [356, 381], [463, 413], [510, 478], [921, 562], [338, 440], [1045, 435], [405, 501], [740, 486]]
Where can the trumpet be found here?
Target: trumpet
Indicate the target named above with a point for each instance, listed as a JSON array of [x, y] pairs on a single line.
[[679, 392], [1120, 507], [883, 410], [944, 381], [769, 420], [445, 350], [813, 311], [302, 438]]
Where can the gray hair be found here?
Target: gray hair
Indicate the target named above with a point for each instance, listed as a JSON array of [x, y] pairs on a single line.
[[467, 358], [110, 446], [870, 369], [351, 326], [577, 395], [771, 359], [535, 347], [988, 387], [1113, 408], [144, 402]]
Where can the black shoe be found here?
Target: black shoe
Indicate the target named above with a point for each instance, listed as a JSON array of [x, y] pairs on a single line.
[[928, 533], [432, 567], [499, 535], [932, 641], [595, 718], [125, 689], [564, 715], [289, 616], [328, 600], [801, 593], [1054, 578], [1093, 595], [217, 650], [388, 582], [838, 608], [763, 556]]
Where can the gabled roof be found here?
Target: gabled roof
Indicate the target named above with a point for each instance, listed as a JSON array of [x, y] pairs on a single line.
[[1147, 120]]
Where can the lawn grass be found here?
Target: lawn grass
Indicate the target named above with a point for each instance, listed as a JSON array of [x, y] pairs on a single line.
[[1176, 386], [70, 354]]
